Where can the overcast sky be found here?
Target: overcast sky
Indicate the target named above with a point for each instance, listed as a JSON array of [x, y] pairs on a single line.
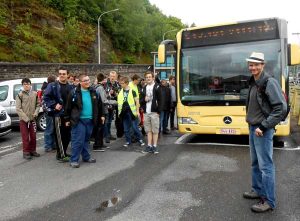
[[209, 12]]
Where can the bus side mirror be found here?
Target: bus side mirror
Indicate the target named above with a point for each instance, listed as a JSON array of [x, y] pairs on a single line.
[[161, 53], [293, 54]]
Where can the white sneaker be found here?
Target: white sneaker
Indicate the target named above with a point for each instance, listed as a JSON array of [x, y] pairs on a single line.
[[126, 144], [154, 150]]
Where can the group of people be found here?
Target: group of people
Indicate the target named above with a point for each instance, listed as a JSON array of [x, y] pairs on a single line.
[[79, 112]]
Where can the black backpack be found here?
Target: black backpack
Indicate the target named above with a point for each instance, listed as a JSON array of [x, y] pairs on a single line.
[[262, 90]]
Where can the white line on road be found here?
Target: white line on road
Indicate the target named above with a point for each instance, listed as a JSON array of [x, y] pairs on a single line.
[[9, 147], [182, 139]]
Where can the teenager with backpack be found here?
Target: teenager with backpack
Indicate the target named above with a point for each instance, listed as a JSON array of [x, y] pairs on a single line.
[[27, 107], [150, 102], [49, 143], [54, 102]]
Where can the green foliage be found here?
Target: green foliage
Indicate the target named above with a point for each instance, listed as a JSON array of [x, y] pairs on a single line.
[[128, 59], [66, 30], [3, 39], [112, 57], [40, 52]]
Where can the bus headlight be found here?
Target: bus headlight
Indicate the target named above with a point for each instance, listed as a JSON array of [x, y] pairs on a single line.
[[186, 120]]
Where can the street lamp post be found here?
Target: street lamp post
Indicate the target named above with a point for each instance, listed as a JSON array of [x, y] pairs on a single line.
[[168, 32], [99, 19]]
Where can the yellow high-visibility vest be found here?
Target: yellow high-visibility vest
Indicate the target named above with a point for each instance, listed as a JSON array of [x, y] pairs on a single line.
[[130, 100], [134, 88]]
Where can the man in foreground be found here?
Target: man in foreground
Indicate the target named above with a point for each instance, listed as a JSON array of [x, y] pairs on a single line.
[[265, 108]]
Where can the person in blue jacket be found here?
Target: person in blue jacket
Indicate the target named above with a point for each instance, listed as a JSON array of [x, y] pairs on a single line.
[[54, 102]]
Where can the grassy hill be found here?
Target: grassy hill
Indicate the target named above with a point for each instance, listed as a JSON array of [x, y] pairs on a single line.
[[31, 31]]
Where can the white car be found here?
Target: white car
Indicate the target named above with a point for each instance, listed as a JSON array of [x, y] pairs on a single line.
[[8, 92], [5, 122]]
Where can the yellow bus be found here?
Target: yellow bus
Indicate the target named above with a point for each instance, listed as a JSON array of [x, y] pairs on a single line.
[[212, 73]]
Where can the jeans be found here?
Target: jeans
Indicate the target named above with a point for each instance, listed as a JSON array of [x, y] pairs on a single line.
[[172, 115], [129, 123], [163, 121], [80, 136], [263, 169], [107, 124], [48, 133]]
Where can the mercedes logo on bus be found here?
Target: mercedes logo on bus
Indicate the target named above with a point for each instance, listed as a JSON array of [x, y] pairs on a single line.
[[227, 120]]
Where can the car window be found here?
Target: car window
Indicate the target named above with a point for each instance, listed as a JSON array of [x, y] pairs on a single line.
[[37, 86], [17, 89], [3, 92]]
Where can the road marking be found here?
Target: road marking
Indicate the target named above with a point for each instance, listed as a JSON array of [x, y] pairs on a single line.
[[9, 147], [182, 139]]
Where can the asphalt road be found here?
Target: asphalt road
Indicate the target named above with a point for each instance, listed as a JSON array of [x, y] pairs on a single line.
[[13, 142], [196, 179]]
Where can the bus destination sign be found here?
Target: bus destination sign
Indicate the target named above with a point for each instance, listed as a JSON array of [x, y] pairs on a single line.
[[235, 33]]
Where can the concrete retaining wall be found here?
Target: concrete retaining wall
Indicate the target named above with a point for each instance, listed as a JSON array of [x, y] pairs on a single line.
[[9, 71]]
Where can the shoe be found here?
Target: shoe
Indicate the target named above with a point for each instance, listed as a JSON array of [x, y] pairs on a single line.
[[47, 150], [126, 144], [35, 154], [91, 160], [74, 165], [141, 142], [107, 147], [112, 138], [63, 160], [154, 150], [251, 195], [98, 149], [107, 140], [27, 156], [165, 132], [147, 150], [261, 207]]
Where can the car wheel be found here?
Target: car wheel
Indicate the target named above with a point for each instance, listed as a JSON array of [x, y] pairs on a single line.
[[41, 122]]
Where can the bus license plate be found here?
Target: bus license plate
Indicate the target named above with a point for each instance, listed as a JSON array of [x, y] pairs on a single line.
[[227, 131]]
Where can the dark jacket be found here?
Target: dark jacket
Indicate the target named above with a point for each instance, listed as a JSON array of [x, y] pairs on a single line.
[[155, 101], [52, 96], [275, 107], [164, 94], [115, 87], [74, 106]]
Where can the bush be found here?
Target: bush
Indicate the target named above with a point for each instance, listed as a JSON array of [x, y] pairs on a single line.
[[128, 59], [112, 57], [39, 52]]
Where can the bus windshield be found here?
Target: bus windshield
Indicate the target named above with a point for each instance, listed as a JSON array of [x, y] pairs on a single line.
[[218, 75]]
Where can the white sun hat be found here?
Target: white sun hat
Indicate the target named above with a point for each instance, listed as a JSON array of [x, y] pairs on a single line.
[[256, 57]]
